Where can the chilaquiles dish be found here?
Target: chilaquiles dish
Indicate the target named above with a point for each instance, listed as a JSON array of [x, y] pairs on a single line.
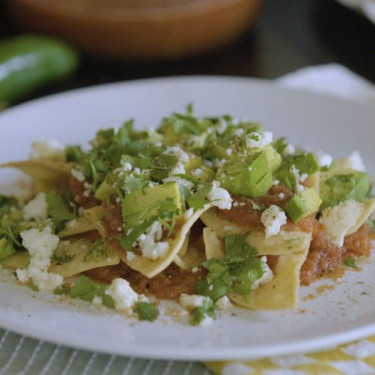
[[206, 211]]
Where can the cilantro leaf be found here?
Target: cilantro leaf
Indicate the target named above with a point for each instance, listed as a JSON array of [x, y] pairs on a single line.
[[57, 209], [237, 272], [6, 203], [199, 314], [97, 250], [198, 200], [86, 290], [74, 153], [351, 262], [127, 241], [147, 311]]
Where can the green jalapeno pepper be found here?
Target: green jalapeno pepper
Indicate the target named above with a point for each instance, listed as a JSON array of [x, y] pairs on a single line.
[[30, 62]]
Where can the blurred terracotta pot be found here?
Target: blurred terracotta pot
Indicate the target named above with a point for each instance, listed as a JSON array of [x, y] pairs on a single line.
[[138, 29]]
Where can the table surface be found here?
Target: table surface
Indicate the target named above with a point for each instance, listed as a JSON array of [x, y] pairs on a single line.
[[289, 34]]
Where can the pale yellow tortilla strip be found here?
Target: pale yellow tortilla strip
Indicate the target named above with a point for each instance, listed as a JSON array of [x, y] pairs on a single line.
[[18, 260], [78, 249], [95, 215], [221, 226], [47, 174], [77, 226], [151, 268], [283, 243], [345, 219], [282, 291], [193, 256], [214, 246]]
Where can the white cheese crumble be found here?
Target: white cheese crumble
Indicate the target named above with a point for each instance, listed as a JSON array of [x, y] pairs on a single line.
[[122, 294], [339, 219], [194, 269], [353, 161], [281, 195], [228, 151], [259, 140], [97, 301], [188, 214], [197, 172], [219, 197], [266, 277], [299, 178], [182, 155], [148, 242], [273, 218], [49, 149], [40, 245], [191, 301], [78, 175], [130, 255], [37, 208], [324, 160], [289, 150], [223, 303], [238, 132]]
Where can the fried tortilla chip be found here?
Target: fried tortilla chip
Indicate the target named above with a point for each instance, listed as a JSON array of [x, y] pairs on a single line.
[[47, 174], [77, 226], [345, 218], [78, 255], [151, 268]]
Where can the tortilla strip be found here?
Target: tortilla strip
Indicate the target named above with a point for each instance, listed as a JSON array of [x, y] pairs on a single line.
[[214, 246], [283, 243], [151, 268], [221, 226], [282, 291], [47, 174], [95, 215], [77, 226], [192, 257], [81, 261], [18, 260], [345, 219]]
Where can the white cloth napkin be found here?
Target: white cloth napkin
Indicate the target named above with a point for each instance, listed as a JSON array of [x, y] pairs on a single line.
[[332, 79], [366, 6]]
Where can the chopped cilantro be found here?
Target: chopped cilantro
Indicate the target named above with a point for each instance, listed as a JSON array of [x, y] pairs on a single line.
[[33, 286], [235, 273], [127, 241], [62, 259], [257, 207], [73, 153], [86, 290], [57, 209], [198, 200], [6, 203], [351, 262], [147, 311], [97, 250], [199, 314]]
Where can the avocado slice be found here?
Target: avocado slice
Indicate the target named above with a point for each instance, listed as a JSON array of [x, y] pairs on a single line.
[[243, 177], [339, 185], [145, 200], [303, 204], [305, 163], [274, 158]]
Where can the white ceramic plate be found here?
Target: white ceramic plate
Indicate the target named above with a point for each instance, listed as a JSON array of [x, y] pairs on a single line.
[[335, 126]]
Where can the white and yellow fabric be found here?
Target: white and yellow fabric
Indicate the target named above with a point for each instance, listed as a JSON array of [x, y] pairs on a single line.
[[354, 358]]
